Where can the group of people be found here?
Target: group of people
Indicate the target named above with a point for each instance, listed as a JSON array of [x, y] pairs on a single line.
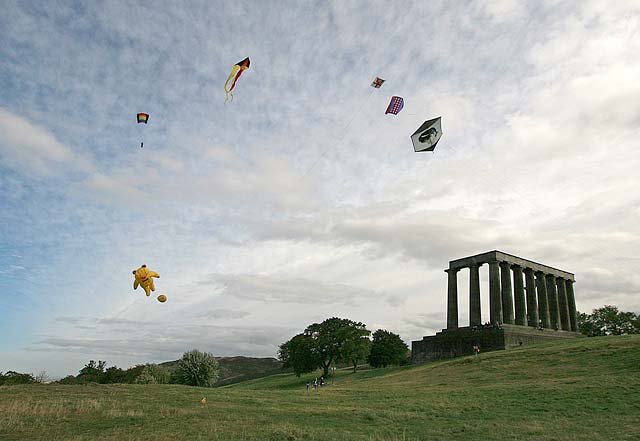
[[316, 383], [487, 325]]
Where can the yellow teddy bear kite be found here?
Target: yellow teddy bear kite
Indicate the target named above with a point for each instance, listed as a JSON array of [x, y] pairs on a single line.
[[144, 278]]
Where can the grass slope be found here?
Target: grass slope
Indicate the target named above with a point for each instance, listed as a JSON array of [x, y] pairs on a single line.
[[587, 389]]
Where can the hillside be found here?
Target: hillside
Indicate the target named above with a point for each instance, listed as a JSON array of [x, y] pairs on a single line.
[[587, 389], [237, 369]]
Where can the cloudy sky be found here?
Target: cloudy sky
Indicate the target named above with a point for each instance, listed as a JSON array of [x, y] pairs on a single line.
[[301, 200]]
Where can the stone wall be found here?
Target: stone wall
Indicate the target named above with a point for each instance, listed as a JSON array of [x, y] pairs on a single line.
[[459, 342]]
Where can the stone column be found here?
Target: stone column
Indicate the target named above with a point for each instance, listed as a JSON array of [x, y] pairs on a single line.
[[571, 301], [475, 314], [495, 300], [452, 299], [552, 295], [562, 304], [518, 289], [532, 304], [507, 293], [543, 301]]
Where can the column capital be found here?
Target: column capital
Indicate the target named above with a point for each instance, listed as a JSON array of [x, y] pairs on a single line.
[[452, 270]]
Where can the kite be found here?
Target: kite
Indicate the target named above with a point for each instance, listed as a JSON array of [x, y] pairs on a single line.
[[377, 83], [142, 118], [237, 70], [144, 277], [395, 106], [427, 136]]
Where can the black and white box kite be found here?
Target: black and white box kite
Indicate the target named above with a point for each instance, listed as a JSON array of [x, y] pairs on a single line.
[[427, 136]]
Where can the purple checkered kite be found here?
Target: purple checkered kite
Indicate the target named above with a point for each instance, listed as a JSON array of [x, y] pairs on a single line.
[[395, 106]]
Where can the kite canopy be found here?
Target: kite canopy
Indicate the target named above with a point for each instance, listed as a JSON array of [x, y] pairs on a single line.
[[143, 118], [395, 105], [427, 136], [237, 70], [377, 83]]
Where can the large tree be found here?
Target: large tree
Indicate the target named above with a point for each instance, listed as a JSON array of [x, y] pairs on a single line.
[[387, 349], [608, 320], [322, 344], [300, 353]]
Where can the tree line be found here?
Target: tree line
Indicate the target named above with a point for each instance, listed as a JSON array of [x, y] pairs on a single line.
[[337, 340], [608, 320], [195, 368]]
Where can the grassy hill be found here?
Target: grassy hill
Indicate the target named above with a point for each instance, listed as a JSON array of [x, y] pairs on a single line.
[[587, 389], [236, 369]]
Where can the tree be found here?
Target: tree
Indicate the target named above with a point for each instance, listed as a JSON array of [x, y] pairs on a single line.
[[608, 320], [197, 368], [322, 344], [331, 337], [153, 374], [12, 377], [146, 377], [114, 375], [132, 373], [92, 372], [69, 379], [42, 377], [387, 349], [356, 347], [300, 353]]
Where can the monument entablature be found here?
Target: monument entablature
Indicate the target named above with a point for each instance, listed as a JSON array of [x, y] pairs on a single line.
[[499, 256]]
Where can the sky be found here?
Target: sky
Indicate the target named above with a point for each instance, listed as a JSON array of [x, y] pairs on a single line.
[[300, 199]]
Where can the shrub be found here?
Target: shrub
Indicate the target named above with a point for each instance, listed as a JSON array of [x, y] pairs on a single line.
[[153, 374], [197, 368]]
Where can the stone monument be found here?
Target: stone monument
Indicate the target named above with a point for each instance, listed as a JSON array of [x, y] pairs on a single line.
[[538, 306]]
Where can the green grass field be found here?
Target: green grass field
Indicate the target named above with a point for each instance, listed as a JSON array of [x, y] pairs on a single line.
[[587, 389]]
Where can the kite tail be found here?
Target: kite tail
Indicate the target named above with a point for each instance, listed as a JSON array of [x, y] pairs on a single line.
[[236, 78], [226, 83]]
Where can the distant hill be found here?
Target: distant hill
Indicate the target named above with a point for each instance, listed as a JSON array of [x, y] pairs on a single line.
[[237, 369]]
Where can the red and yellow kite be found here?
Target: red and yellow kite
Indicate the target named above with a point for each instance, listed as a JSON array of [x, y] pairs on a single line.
[[237, 70]]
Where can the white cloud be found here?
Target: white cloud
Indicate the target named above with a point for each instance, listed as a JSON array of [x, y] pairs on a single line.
[[29, 147]]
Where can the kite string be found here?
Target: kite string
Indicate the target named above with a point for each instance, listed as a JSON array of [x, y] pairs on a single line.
[[341, 138]]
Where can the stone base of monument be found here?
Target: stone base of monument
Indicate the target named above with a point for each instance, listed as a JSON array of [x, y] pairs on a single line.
[[460, 342]]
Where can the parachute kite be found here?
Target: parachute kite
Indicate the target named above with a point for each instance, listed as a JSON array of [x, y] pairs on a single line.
[[237, 70], [427, 136], [377, 83], [142, 118], [395, 106], [144, 277]]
